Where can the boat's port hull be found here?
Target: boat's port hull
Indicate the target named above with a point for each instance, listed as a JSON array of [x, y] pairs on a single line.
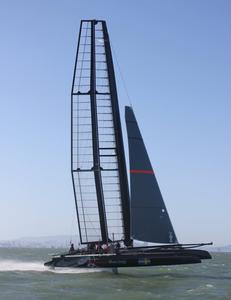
[[134, 259]]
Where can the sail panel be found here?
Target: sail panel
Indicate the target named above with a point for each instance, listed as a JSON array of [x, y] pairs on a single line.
[[149, 216], [87, 206], [97, 148]]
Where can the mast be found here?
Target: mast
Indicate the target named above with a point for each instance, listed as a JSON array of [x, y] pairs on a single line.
[[98, 165], [95, 140]]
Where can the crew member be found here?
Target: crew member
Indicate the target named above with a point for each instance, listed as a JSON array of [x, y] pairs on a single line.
[[72, 248]]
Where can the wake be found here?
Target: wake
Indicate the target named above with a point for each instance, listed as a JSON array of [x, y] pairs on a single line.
[[16, 265], [37, 266]]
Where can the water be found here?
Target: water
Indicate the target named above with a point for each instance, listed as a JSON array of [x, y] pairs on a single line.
[[23, 277]]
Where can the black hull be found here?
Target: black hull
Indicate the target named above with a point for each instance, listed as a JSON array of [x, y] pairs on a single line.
[[130, 259]]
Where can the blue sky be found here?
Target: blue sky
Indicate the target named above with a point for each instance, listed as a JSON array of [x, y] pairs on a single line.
[[175, 58]]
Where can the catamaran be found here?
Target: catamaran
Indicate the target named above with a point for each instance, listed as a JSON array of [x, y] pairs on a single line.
[[109, 216]]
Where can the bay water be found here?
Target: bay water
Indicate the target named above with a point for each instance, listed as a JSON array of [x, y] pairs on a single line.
[[24, 277]]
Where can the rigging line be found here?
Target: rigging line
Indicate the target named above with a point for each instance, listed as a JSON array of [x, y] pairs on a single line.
[[81, 197], [121, 75], [80, 189], [81, 66], [86, 216], [78, 176], [72, 227], [79, 83], [93, 226]]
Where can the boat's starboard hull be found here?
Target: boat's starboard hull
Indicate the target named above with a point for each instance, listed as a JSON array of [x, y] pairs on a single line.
[[155, 258]]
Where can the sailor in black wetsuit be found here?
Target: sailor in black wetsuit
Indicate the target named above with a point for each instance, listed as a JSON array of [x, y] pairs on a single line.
[[72, 249]]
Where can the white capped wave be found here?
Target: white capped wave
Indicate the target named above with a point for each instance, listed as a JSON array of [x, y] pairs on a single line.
[[74, 270], [37, 266]]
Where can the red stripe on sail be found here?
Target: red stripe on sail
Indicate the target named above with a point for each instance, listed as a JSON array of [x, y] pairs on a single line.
[[142, 171]]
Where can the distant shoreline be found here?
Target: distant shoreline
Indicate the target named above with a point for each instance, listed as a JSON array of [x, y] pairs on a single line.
[[212, 250], [63, 242]]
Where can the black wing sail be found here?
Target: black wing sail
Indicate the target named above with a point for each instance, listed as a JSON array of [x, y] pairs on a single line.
[[98, 162], [149, 216]]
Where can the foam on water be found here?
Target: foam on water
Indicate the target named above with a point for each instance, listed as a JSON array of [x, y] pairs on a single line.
[[17, 265], [37, 266]]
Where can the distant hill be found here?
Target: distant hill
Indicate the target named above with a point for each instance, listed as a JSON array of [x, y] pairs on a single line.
[[223, 249], [63, 241], [217, 248], [60, 241]]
